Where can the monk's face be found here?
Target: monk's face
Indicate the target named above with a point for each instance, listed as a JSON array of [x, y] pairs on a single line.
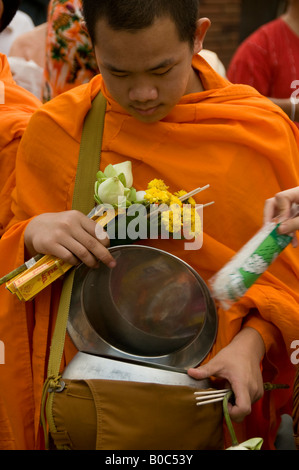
[[149, 70]]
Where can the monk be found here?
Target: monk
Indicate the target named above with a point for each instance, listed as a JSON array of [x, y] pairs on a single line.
[[16, 106], [175, 119]]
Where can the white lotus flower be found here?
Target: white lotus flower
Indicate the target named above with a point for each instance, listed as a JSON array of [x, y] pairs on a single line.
[[110, 190], [252, 444], [126, 169], [239, 447], [140, 196]]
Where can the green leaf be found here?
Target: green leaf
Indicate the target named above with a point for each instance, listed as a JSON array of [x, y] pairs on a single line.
[[127, 193], [122, 179], [132, 195], [97, 199], [100, 175], [110, 171]]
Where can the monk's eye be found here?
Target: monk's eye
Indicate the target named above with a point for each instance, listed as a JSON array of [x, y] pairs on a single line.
[[163, 72], [119, 74]]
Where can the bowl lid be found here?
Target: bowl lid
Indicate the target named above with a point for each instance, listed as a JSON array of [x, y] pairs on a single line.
[[151, 308]]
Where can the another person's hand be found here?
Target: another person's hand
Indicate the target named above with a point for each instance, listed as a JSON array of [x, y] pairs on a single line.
[[285, 206], [239, 364], [70, 236]]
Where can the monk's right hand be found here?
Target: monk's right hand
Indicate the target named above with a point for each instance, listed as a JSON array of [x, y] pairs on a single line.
[[239, 364], [70, 236]]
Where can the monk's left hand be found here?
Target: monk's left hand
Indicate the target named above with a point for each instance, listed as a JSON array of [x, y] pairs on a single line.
[[239, 364]]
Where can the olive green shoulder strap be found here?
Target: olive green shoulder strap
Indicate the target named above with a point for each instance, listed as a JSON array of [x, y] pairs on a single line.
[[83, 200], [89, 156]]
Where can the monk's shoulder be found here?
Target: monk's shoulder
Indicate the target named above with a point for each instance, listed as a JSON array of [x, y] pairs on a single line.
[[66, 112], [70, 105]]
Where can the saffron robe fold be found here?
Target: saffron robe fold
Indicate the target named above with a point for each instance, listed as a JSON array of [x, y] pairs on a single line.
[[228, 136], [16, 107]]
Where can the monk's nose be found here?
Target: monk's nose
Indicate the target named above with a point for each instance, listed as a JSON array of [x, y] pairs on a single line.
[[143, 93]]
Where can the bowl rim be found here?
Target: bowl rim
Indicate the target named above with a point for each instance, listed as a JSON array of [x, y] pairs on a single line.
[[87, 340]]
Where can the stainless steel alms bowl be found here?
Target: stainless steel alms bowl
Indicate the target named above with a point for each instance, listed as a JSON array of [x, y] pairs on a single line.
[[151, 308]]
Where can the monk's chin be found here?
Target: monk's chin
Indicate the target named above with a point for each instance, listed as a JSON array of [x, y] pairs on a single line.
[[148, 115]]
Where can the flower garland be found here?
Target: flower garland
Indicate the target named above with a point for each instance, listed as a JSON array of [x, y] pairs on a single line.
[[114, 186]]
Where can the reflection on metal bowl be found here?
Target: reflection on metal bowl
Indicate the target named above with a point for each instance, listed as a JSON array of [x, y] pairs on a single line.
[[152, 307]]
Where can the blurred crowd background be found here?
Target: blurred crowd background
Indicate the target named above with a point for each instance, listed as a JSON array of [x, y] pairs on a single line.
[[49, 51]]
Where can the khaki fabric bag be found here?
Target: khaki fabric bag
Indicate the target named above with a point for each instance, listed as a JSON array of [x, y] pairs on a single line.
[[119, 415], [116, 415]]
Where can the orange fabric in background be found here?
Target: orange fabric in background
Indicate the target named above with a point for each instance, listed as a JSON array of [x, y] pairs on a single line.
[[228, 136], [16, 108]]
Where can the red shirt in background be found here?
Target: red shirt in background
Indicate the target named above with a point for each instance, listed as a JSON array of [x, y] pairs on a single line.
[[268, 60]]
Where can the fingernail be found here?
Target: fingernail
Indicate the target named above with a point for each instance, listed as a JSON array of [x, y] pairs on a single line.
[[112, 264]]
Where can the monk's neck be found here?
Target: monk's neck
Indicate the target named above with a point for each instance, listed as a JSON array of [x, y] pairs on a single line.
[[195, 83]]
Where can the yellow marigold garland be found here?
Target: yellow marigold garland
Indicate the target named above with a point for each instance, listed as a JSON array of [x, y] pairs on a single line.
[[157, 193]]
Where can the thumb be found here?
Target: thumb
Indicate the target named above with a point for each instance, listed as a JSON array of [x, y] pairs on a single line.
[[201, 372]]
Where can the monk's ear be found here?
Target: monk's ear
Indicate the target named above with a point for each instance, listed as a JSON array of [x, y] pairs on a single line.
[[203, 25]]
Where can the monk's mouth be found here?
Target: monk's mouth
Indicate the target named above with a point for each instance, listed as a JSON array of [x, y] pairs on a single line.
[[145, 112]]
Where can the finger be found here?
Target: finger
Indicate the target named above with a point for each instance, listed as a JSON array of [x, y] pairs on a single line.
[[291, 194], [295, 242], [95, 230], [80, 245], [278, 206], [91, 243], [269, 210], [200, 373], [90, 251], [102, 235], [64, 254], [241, 406], [289, 226], [82, 252], [283, 203]]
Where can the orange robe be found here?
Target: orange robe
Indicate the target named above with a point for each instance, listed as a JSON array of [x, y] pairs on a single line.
[[16, 108], [228, 136]]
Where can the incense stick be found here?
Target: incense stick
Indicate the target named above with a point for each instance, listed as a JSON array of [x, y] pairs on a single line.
[[183, 198], [208, 204], [193, 193], [20, 269]]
